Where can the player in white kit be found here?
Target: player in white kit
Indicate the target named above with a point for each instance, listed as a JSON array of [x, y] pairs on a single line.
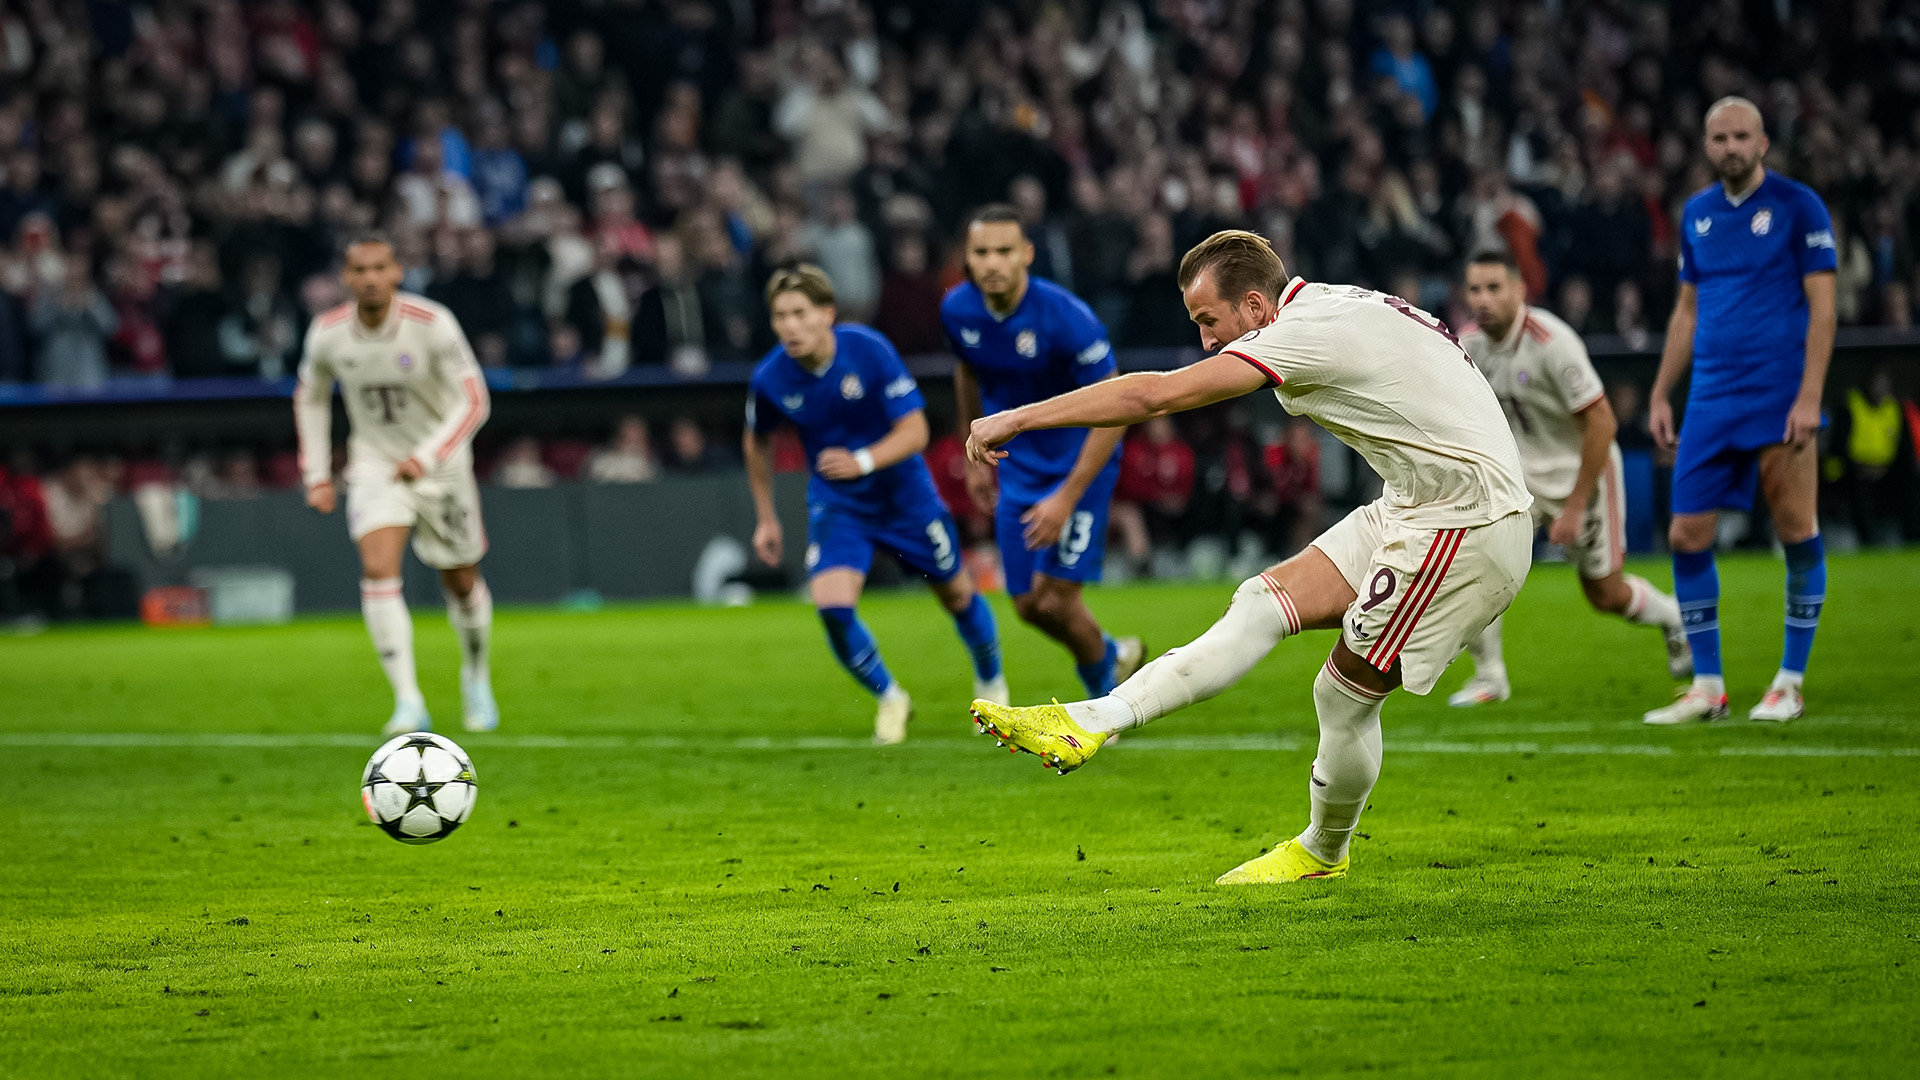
[[414, 397], [1558, 410], [1409, 579]]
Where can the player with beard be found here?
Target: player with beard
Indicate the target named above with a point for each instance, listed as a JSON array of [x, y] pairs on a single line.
[[1408, 579], [1754, 320]]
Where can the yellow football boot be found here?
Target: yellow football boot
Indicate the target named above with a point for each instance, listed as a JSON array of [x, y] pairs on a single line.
[[1288, 862], [1043, 730]]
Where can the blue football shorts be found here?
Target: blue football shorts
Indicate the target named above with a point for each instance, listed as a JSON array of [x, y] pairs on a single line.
[[925, 540]]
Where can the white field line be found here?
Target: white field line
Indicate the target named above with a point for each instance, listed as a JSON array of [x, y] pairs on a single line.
[[1131, 744]]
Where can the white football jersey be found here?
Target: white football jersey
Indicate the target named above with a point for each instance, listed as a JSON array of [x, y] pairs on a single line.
[[413, 389], [1542, 375], [1391, 381]]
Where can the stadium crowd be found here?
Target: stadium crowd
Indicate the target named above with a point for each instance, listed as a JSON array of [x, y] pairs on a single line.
[[605, 183]]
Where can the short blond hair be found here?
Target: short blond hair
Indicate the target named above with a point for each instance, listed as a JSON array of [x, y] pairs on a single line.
[[1240, 262], [804, 278]]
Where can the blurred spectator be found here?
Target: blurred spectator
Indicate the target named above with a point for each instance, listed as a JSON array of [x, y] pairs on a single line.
[[1629, 318], [844, 248], [1052, 248], [1610, 236], [72, 324], [910, 294], [259, 333], [478, 294], [743, 118], [1293, 467], [14, 364], [628, 458], [670, 323], [1155, 490], [689, 452], [499, 172], [1576, 304], [1156, 314], [736, 321], [29, 573], [192, 326], [827, 118], [1880, 461], [520, 466]]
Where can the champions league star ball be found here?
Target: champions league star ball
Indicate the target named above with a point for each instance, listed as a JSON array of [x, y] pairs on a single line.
[[419, 787]]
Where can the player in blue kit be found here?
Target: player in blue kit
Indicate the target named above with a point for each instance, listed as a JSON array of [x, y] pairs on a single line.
[[1022, 339], [1755, 318], [863, 423]]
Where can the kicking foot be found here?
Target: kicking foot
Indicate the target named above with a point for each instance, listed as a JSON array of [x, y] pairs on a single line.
[[1288, 862], [408, 716], [1130, 656], [1692, 704], [1782, 703], [1679, 653], [890, 722], [1043, 730], [480, 713], [1480, 690], [994, 690]]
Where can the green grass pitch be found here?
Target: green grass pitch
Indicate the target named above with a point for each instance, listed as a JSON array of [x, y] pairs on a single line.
[[686, 862]]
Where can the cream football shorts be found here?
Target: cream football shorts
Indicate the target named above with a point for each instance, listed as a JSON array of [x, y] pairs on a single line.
[[442, 509], [1423, 594]]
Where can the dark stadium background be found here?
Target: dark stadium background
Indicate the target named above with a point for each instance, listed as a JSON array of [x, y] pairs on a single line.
[[567, 177]]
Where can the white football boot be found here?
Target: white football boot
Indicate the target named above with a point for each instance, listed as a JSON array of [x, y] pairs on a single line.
[[479, 712], [1782, 703], [1481, 690], [1679, 653], [994, 690], [408, 716], [1693, 704], [890, 722]]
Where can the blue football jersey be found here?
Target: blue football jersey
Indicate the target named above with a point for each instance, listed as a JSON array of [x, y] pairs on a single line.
[[853, 403], [1747, 259], [1052, 343]]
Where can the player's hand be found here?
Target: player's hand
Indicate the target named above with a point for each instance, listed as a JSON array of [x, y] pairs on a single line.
[[982, 488], [1045, 519], [410, 469], [320, 496], [986, 436], [836, 463], [1660, 423], [767, 542], [1803, 423], [1566, 528]]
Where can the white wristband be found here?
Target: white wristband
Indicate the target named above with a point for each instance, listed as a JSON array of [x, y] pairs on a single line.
[[863, 457]]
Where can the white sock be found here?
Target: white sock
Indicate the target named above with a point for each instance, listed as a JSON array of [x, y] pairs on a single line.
[[1784, 679], [1489, 655], [1347, 764], [472, 619], [1650, 606], [1714, 686], [392, 631], [1259, 617]]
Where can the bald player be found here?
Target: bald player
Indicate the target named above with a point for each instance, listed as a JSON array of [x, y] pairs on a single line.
[[1558, 410], [1754, 320]]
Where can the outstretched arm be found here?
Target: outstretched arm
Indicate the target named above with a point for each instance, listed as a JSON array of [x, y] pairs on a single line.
[[1117, 403]]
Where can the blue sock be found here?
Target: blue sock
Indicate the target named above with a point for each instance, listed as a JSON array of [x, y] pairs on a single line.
[[982, 637], [1696, 584], [855, 648], [1806, 591], [1098, 676]]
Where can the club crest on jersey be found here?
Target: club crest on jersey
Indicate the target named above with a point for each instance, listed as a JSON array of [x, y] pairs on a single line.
[[1762, 223], [793, 402], [969, 338], [406, 361], [1027, 344], [1701, 225], [851, 389]]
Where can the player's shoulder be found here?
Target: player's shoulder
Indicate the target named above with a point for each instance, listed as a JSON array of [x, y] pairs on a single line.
[[334, 320], [962, 302], [1543, 327], [864, 339], [1056, 297], [416, 308], [769, 367], [1698, 200], [1788, 189]]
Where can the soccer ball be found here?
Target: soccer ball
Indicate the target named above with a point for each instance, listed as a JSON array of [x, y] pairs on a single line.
[[419, 787]]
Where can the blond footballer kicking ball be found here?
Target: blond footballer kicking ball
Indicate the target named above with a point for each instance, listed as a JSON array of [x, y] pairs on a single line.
[[419, 787]]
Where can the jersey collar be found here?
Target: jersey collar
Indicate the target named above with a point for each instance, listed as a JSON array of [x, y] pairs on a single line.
[[1512, 340], [1293, 289], [385, 329], [1750, 193]]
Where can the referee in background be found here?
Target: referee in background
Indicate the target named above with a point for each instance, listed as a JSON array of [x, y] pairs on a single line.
[[1755, 321]]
